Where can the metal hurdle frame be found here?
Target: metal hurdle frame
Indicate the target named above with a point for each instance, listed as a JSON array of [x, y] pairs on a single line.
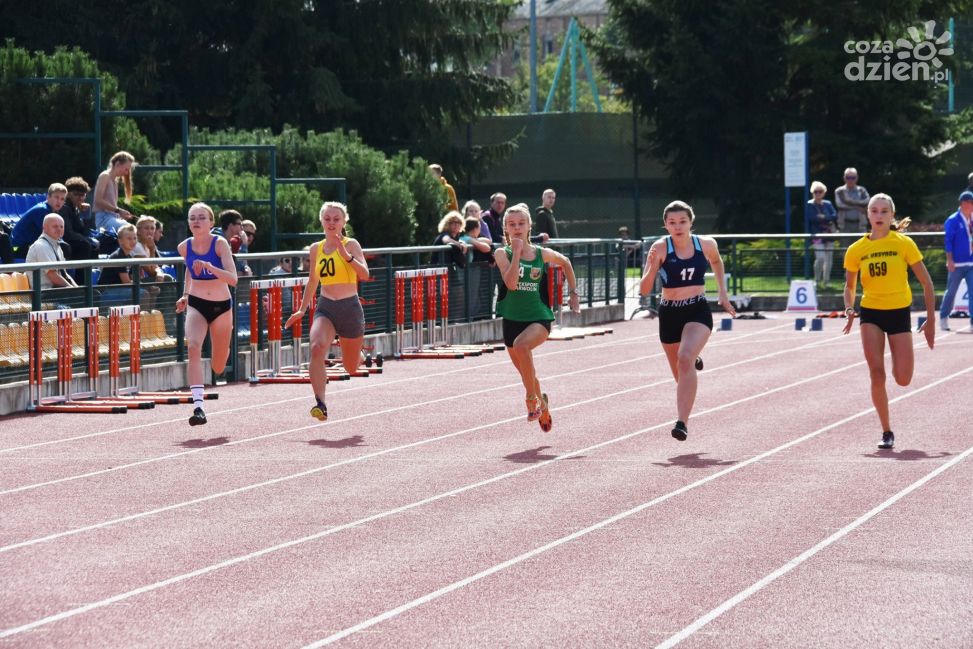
[[555, 288], [474, 349], [419, 311], [134, 391], [65, 400]]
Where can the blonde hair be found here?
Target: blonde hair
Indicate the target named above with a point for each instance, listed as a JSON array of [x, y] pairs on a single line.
[[121, 158], [128, 227], [207, 208], [338, 206], [56, 188], [523, 209], [816, 185], [898, 225], [678, 206], [468, 205], [450, 218]]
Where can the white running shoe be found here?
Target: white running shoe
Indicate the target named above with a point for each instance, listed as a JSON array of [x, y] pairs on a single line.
[[944, 324]]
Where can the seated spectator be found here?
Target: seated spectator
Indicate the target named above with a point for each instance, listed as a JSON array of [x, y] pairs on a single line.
[[47, 250], [108, 215], [231, 225], [28, 229], [145, 233], [285, 267], [114, 275], [159, 231], [6, 250], [449, 232], [73, 212]]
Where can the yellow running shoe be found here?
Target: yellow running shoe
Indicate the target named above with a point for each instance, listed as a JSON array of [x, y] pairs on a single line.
[[319, 411]]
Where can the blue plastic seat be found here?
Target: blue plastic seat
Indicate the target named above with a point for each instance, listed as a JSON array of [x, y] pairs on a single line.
[[6, 204]]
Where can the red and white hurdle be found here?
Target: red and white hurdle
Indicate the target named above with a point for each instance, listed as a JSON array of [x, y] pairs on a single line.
[[423, 284], [133, 313], [65, 400], [555, 292]]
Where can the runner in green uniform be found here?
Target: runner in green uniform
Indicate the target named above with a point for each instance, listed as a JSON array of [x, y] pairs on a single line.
[[523, 303]]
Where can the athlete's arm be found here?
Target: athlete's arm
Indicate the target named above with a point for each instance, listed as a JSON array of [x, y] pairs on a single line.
[[555, 257], [653, 262], [509, 267], [310, 289], [929, 295], [851, 284], [354, 250], [712, 251]]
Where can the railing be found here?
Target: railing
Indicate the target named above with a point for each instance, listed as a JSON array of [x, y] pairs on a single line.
[[766, 263], [599, 265]]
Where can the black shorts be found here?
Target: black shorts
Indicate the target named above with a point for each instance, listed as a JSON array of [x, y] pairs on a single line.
[[674, 314], [891, 321], [210, 309], [513, 328]]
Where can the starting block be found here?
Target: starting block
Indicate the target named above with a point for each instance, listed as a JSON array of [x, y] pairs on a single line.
[[726, 324], [817, 325], [800, 324]]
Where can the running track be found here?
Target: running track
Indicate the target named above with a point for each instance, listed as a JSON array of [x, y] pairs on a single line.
[[428, 512]]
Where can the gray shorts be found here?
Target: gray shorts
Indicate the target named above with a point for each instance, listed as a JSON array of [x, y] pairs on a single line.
[[346, 315]]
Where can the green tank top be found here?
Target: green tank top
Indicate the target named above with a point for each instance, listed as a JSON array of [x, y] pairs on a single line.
[[530, 301]]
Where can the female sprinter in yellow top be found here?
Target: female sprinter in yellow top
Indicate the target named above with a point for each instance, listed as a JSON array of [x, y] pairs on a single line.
[[685, 321], [523, 303], [883, 258], [337, 264]]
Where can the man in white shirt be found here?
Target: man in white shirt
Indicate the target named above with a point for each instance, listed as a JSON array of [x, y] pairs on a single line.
[[47, 249]]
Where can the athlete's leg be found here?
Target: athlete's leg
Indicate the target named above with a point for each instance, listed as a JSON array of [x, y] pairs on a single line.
[[322, 334], [351, 353], [196, 328], [873, 344], [672, 355], [903, 357], [220, 331], [694, 337], [521, 353]]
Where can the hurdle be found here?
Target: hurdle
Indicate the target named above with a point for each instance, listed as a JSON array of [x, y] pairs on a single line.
[[116, 341], [278, 372], [443, 343], [61, 323], [555, 294], [419, 279]]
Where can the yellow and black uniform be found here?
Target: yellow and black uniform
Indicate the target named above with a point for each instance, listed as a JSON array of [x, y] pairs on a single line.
[[346, 314], [883, 266]]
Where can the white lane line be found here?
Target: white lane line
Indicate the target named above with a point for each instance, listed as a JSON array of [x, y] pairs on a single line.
[[344, 633], [807, 554], [360, 458], [247, 440], [333, 530], [340, 390]]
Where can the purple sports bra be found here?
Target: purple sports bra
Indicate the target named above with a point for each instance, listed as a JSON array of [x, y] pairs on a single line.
[[210, 256]]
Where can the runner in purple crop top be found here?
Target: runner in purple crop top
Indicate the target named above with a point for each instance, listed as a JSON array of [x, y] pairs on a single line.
[[206, 300]]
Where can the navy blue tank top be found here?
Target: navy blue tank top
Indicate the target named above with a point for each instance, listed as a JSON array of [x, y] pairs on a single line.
[[676, 272], [210, 256]]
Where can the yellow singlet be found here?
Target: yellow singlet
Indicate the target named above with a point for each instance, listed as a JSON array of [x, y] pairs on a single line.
[[884, 266], [333, 269]]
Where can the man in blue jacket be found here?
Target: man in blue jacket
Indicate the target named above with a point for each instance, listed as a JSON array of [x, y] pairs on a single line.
[[959, 255], [31, 223]]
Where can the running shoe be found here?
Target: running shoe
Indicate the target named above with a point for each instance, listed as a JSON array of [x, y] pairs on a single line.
[[888, 441], [679, 431], [198, 418], [319, 411], [545, 420], [699, 363], [533, 408]]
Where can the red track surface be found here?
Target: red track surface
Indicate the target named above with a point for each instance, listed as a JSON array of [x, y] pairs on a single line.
[[428, 512]]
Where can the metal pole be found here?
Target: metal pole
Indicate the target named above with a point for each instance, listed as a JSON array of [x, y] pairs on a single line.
[[533, 57], [636, 199], [787, 230]]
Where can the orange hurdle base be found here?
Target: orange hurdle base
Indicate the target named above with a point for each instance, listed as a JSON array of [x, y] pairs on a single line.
[[102, 409]]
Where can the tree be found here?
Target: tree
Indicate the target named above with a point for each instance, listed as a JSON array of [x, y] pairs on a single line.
[[720, 82], [396, 71]]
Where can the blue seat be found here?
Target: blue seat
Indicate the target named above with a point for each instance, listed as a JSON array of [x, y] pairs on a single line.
[[23, 203], [6, 204]]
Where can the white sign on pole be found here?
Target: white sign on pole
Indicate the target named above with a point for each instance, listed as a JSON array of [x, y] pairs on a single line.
[[802, 296], [795, 159]]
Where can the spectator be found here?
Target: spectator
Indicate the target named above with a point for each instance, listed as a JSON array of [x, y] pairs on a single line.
[[852, 203], [231, 225], [544, 223], [969, 183], [285, 267], [6, 250], [31, 223], [249, 234], [449, 233], [477, 244], [159, 231], [47, 250], [112, 276], [146, 247], [959, 255], [75, 229], [108, 215], [493, 217], [822, 219], [452, 204], [629, 246], [472, 208]]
